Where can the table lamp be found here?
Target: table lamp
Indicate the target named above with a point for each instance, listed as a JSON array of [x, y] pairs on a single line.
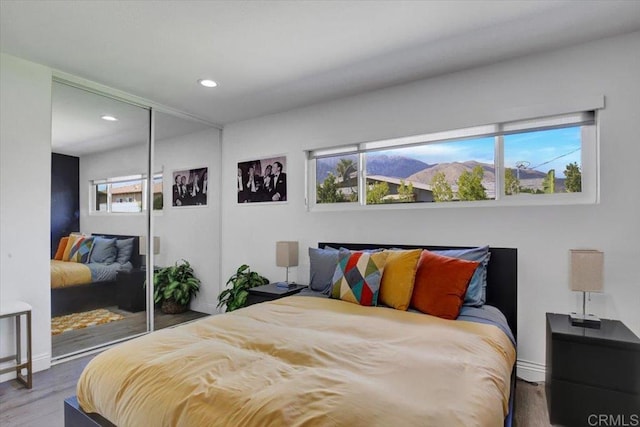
[[586, 276], [287, 255]]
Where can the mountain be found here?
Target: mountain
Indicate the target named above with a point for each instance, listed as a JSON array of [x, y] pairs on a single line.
[[417, 171], [393, 166], [453, 171], [377, 164]]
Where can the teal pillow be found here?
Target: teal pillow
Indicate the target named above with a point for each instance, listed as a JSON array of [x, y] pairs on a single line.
[[476, 294], [104, 250], [125, 250]]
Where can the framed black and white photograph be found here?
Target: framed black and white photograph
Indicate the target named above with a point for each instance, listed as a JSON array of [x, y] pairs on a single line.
[[262, 180], [190, 187]]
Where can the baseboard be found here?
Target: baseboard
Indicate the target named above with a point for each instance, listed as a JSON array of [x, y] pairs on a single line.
[[39, 363], [530, 371]]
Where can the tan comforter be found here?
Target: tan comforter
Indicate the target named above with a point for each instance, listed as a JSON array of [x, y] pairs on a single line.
[[306, 361], [65, 273]]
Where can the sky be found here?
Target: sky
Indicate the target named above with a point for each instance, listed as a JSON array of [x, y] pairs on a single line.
[[543, 150]]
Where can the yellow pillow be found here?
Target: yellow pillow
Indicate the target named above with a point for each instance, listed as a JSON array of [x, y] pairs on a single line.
[[398, 277], [67, 251]]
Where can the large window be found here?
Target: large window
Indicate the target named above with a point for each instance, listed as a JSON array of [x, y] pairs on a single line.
[[125, 194], [547, 160]]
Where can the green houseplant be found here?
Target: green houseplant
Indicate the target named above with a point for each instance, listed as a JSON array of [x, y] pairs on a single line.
[[174, 286], [243, 280]]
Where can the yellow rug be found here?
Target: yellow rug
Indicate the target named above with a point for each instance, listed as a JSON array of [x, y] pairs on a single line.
[[73, 321]]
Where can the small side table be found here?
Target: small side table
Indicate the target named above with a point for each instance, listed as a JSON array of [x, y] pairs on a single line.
[[591, 371], [131, 290], [270, 292], [18, 309]]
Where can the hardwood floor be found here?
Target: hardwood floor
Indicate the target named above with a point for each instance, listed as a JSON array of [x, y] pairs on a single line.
[[43, 404], [134, 323]]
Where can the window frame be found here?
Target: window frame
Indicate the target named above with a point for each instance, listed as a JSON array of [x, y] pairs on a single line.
[[589, 154]]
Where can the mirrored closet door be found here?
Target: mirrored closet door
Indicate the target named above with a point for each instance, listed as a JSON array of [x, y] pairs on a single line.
[[99, 219], [185, 229]]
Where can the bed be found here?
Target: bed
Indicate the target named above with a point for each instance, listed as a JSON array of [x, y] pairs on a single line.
[[313, 361], [78, 287]]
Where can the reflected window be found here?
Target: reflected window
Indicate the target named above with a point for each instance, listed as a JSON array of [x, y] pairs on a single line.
[[125, 194]]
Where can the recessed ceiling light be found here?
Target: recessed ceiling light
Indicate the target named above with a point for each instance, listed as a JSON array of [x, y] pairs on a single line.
[[109, 118], [207, 83]]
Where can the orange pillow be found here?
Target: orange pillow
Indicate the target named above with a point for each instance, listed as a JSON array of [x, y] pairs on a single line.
[[441, 283], [399, 274], [61, 247]]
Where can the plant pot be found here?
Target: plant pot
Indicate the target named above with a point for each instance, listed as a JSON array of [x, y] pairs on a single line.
[[169, 306]]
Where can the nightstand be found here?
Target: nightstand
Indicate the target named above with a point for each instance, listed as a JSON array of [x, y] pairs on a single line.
[[270, 292], [591, 372], [131, 292]]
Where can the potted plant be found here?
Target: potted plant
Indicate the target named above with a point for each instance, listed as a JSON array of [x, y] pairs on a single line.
[[243, 280], [174, 286]]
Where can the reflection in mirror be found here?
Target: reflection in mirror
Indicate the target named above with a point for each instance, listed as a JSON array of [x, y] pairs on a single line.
[[99, 165], [187, 152]]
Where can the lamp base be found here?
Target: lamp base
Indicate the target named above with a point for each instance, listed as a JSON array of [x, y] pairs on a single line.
[[584, 320]]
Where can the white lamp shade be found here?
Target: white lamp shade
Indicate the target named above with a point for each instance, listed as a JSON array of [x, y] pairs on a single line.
[[587, 270], [286, 254], [143, 245]]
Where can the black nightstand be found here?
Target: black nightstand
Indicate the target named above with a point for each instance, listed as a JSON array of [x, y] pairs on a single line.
[[270, 292], [131, 290], [591, 372]]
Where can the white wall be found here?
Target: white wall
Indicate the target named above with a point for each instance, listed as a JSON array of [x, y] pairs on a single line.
[[192, 233], [543, 235], [25, 193]]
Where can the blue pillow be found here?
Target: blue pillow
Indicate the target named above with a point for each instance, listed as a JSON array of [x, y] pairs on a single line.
[[104, 250], [125, 249], [477, 291], [322, 266]]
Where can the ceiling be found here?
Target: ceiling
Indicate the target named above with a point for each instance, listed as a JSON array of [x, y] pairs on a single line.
[[77, 128], [272, 56]]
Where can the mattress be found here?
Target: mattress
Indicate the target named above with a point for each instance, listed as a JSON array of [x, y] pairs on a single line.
[[306, 361], [65, 273]]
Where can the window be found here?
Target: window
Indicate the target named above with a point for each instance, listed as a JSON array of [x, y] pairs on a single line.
[[547, 160], [125, 194]]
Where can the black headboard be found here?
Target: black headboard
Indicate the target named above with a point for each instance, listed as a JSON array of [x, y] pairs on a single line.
[[502, 275], [136, 258]]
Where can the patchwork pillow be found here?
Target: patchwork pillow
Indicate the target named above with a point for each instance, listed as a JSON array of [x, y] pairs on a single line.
[[81, 250], [125, 250], [441, 283], [62, 245], [477, 290], [70, 242], [322, 266], [357, 276], [397, 281], [104, 250]]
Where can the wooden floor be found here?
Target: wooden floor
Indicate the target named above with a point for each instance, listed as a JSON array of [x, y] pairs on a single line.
[[43, 405], [134, 323]]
